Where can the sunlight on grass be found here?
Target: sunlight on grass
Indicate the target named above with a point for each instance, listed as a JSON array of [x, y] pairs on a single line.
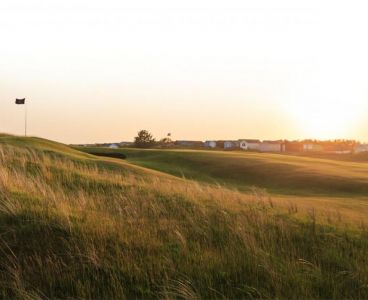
[[88, 228]]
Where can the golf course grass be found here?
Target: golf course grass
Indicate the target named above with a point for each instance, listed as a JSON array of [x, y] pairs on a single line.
[[79, 226], [278, 173]]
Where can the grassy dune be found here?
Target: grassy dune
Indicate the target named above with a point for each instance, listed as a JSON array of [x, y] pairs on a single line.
[[35, 143], [76, 226]]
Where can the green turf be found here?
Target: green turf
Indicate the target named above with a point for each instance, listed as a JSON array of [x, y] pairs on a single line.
[[282, 174]]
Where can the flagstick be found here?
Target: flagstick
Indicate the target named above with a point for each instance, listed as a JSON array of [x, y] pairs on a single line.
[[25, 120]]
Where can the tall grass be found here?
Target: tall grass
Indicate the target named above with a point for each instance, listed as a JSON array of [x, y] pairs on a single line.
[[81, 229]]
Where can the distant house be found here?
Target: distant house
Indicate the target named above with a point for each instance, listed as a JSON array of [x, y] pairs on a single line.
[[231, 144], [186, 143], [312, 147], [210, 144], [361, 148], [271, 146], [247, 144], [293, 146], [338, 147], [113, 146], [220, 144]]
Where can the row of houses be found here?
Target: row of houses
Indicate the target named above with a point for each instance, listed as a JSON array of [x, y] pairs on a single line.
[[339, 147], [248, 144]]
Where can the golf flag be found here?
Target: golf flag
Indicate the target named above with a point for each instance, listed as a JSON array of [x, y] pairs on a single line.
[[20, 101]]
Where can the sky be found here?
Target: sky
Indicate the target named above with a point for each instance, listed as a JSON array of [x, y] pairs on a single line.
[[99, 71]]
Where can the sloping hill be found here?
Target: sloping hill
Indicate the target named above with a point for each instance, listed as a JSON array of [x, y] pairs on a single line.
[[281, 174], [58, 150], [35, 143], [80, 227]]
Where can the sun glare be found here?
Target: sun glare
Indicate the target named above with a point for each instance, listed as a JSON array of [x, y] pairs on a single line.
[[325, 120]]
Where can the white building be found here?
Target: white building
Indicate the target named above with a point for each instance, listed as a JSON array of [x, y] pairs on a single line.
[[187, 143], [250, 144], [231, 144], [271, 146], [113, 146], [210, 144], [361, 148], [312, 147]]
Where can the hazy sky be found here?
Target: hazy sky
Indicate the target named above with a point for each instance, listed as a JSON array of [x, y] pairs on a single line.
[[101, 70]]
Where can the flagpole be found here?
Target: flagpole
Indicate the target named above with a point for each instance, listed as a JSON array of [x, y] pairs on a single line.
[[23, 102], [25, 120]]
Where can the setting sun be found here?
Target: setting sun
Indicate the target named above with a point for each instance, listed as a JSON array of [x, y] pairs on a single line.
[[324, 119]]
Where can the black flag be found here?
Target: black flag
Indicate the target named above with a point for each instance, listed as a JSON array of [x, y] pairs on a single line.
[[20, 101]]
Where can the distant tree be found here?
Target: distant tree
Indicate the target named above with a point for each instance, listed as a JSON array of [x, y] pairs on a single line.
[[144, 139], [165, 141]]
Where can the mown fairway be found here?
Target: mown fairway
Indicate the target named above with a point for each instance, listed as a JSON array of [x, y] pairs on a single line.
[[278, 173], [77, 226]]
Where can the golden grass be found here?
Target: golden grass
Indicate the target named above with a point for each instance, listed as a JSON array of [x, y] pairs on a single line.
[[103, 229]]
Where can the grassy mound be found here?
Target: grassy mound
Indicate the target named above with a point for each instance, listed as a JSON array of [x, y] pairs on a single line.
[[39, 144], [81, 228]]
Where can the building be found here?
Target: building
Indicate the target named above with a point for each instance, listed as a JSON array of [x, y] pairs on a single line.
[[220, 144], [231, 144], [186, 143], [338, 147], [293, 146], [361, 148], [271, 146], [247, 144], [113, 146], [312, 147], [210, 144]]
